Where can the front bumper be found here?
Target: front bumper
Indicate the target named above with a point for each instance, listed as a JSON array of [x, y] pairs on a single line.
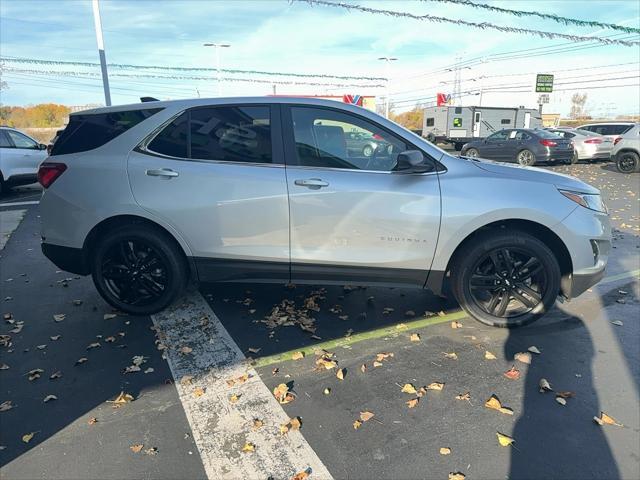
[[581, 282], [68, 259]]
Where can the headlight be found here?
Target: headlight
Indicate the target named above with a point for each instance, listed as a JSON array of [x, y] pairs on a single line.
[[587, 200]]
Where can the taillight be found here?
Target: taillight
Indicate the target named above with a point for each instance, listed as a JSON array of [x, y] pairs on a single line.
[[593, 140], [615, 142], [548, 143], [49, 173]]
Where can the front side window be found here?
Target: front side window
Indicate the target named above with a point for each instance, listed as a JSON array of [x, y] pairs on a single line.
[[4, 140], [331, 139], [22, 141], [231, 134]]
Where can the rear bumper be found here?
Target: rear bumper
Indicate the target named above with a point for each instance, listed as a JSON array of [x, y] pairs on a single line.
[[68, 259]]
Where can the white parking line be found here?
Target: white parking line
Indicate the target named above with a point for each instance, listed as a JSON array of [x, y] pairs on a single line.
[[221, 428], [19, 204]]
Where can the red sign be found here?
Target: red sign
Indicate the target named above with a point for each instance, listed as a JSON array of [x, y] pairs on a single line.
[[443, 99]]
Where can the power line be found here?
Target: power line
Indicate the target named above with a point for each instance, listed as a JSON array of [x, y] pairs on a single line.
[[546, 16], [482, 26]]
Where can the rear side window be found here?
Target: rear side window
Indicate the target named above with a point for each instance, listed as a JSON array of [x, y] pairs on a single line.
[[86, 132], [231, 134], [4, 140]]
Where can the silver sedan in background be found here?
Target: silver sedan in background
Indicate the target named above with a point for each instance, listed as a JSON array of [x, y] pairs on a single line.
[[587, 145]]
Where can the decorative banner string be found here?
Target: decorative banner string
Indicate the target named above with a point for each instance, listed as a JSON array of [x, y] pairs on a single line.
[[185, 69], [483, 25], [546, 16], [72, 74]]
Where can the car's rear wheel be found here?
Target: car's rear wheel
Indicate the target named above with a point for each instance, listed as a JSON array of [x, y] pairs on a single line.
[[628, 162], [506, 279], [574, 159], [526, 158], [472, 153], [367, 151], [138, 269]]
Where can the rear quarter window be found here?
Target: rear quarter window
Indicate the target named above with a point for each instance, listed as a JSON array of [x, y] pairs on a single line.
[[86, 132]]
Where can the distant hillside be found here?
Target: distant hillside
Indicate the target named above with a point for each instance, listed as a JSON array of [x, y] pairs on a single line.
[[44, 115]]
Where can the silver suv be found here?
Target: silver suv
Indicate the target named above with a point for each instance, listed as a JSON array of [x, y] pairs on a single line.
[[150, 197]]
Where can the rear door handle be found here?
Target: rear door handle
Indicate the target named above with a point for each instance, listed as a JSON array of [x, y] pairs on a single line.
[[312, 183], [162, 172]]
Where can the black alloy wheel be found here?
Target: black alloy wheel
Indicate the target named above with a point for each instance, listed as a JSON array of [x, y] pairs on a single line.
[[627, 162]]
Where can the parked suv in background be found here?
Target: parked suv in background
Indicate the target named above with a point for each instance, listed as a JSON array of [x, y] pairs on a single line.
[[20, 156], [148, 197], [626, 153], [526, 146], [613, 130]]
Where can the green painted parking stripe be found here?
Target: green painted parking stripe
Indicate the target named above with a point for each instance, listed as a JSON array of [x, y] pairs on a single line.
[[359, 337], [393, 330]]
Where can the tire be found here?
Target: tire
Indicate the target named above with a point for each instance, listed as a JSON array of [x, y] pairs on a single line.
[[458, 146], [472, 152], [367, 151], [121, 264], [526, 158], [627, 162], [486, 299], [574, 159], [431, 137]]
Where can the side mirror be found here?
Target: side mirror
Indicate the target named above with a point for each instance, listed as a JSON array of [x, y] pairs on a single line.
[[42, 146], [412, 161]]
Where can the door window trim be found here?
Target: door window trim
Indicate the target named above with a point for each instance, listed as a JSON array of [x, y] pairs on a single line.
[[277, 150], [291, 157]]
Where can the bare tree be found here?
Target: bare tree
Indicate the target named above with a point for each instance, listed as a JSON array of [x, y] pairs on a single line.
[[578, 102]]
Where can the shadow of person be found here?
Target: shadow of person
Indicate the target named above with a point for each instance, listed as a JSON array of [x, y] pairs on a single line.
[[553, 441]]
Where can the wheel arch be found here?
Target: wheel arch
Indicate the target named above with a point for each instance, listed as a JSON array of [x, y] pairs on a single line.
[[438, 282], [128, 219]]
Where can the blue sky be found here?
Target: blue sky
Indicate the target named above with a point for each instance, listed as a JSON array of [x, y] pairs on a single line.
[[279, 36]]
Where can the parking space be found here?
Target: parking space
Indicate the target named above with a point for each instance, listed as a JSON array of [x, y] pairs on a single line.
[[186, 421]]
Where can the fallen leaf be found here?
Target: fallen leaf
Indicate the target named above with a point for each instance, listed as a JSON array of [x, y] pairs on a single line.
[[340, 374], [257, 423], [198, 392], [565, 394], [489, 356], [151, 451], [412, 403], [363, 368], [445, 451], [55, 337], [186, 380], [301, 475], [136, 448], [383, 356], [26, 438], [41, 347], [297, 356], [401, 326], [544, 385], [409, 313], [456, 476], [132, 368], [464, 396], [495, 404], [415, 337], [48, 398], [524, 357], [59, 317], [295, 423], [6, 405], [366, 416], [605, 419], [56, 374], [534, 349], [326, 391], [186, 350], [452, 355], [4, 366], [357, 424], [456, 325], [249, 447], [376, 364], [409, 388], [284, 428], [618, 323], [233, 398], [561, 400], [109, 316], [34, 374], [512, 374], [92, 421], [121, 399], [149, 370], [282, 394], [435, 386], [504, 440]]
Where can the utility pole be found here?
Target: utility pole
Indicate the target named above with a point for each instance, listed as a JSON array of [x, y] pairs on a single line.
[[103, 59], [218, 46], [387, 69]]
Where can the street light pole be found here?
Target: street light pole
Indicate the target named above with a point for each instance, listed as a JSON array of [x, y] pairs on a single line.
[[387, 61], [103, 59], [218, 46]]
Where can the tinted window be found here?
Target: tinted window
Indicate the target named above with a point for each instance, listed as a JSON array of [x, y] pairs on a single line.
[[520, 135], [89, 131], [545, 134], [173, 139], [458, 110], [501, 135], [234, 134], [22, 141], [430, 122], [4, 140], [327, 138], [505, 121], [618, 129]]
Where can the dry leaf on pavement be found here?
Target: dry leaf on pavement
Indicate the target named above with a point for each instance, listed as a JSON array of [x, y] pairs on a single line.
[[80, 361], [504, 440], [363, 368], [464, 396], [445, 450], [456, 325], [561, 400], [435, 386], [59, 317], [282, 394], [409, 388], [109, 316], [452, 355], [303, 475], [136, 448], [340, 374], [413, 402], [415, 337], [186, 350], [297, 356], [198, 392], [326, 391], [366, 416], [6, 405], [495, 404], [92, 421], [249, 447], [121, 399], [456, 476], [524, 357], [534, 349], [489, 356], [151, 451], [513, 373], [4, 366], [376, 364], [544, 385], [48, 398], [34, 374], [234, 398], [26, 438], [605, 419], [357, 424], [383, 356]]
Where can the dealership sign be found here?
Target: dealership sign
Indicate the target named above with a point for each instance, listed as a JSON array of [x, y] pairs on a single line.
[[544, 83]]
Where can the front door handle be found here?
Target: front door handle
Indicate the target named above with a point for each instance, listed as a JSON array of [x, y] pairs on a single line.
[[162, 172], [312, 183]]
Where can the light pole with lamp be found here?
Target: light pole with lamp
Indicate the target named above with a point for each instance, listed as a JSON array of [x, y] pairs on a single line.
[[387, 61], [218, 46]]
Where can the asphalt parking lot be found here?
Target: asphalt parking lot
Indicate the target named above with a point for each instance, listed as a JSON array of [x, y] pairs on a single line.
[[201, 376]]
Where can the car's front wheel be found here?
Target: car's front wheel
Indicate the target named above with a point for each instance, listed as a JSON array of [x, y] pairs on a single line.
[[367, 151], [506, 278], [472, 153], [138, 269]]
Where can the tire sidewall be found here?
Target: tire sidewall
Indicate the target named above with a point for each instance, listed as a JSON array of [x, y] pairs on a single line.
[[633, 156], [472, 150], [466, 260], [176, 267], [533, 158]]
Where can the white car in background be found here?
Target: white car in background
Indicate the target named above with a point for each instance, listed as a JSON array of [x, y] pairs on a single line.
[[626, 152], [20, 157], [613, 130], [587, 145]]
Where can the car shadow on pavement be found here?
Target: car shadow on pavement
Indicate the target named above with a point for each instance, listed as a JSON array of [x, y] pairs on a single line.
[[552, 440]]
